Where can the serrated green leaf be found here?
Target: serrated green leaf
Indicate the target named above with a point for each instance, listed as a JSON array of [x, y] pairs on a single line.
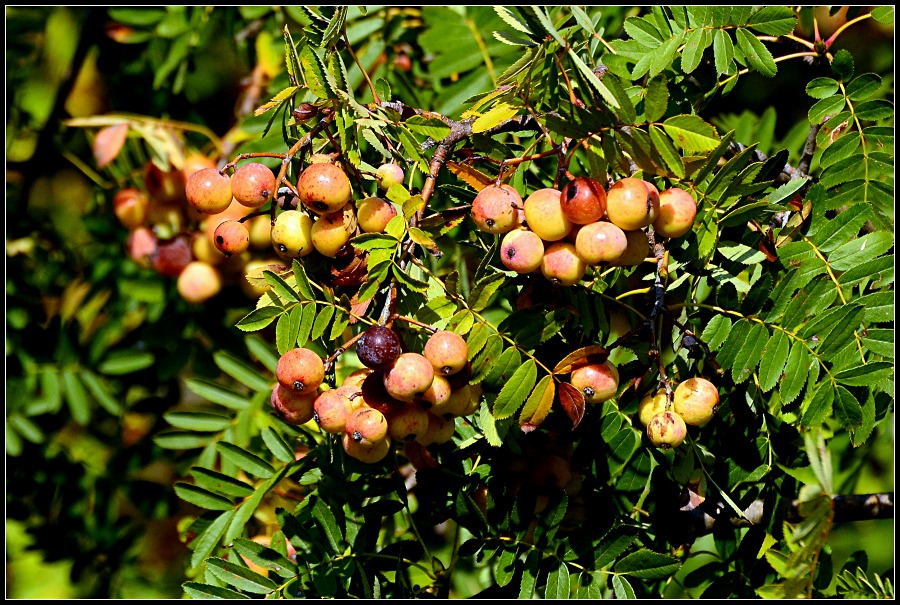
[[847, 409], [247, 461], [621, 588], [303, 285], [198, 421], [756, 53], [258, 318], [663, 56], [502, 370], [201, 497], [240, 577], [884, 14], [558, 582], [878, 306], [484, 289], [529, 575], [716, 331], [323, 319], [733, 344], [246, 375], [374, 241], [865, 375], [741, 253], [208, 539], [313, 72], [694, 46], [506, 566], [691, 133], [197, 590], [822, 88], [596, 82], [265, 557], [280, 286], [723, 51], [277, 445], [486, 358], [880, 342], [648, 565], [219, 483], [512, 20], [842, 65], [489, 426], [643, 31], [773, 20], [796, 371], [656, 99], [820, 406], [544, 20], [217, 394], [664, 147], [826, 108], [430, 127], [326, 520], [774, 358], [514, 392], [861, 250], [614, 543], [750, 353]]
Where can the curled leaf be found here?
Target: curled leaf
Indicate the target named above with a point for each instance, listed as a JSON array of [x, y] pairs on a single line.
[[582, 357], [572, 401], [256, 276]]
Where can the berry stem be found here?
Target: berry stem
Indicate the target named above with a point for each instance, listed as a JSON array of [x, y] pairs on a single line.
[[415, 322], [340, 351], [246, 156]]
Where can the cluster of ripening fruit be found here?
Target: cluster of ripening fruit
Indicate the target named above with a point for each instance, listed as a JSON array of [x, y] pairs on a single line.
[[162, 234], [694, 402], [398, 396], [323, 189], [562, 233]]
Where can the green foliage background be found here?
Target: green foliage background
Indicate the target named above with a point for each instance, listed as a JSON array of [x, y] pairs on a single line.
[[100, 353]]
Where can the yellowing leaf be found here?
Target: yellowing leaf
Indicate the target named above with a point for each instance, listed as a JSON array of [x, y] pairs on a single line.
[[475, 179], [538, 404], [496, 116]]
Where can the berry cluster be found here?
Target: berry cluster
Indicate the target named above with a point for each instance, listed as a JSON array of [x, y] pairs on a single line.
[[562, 233], [694, 403], [167, 232], [402, 396]]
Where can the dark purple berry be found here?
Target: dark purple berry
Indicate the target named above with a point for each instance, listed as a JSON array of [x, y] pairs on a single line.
[[378, 348]]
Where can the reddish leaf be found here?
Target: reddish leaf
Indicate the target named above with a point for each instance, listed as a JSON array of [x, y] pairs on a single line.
[[349, 270], [358, 309], [582, 357], [109, 143], [419, 456], [572, 401]]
